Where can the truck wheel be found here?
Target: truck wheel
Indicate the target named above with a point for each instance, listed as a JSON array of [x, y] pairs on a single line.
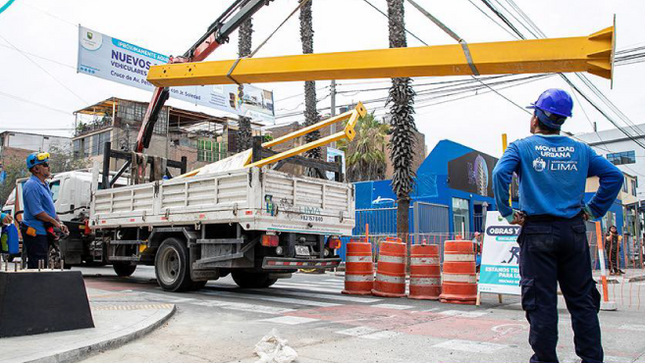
[[171, 266], [250, 280], [124, 270]]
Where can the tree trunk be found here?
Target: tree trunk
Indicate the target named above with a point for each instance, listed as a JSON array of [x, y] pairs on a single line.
[[311, 112], [245, 134], [402, 123]]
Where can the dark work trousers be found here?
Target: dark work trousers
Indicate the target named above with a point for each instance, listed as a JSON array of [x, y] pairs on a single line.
[[612, 251], [37, 248], [555, 250]]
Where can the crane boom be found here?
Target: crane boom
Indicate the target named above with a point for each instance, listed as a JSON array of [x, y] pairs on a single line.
[[218, 33], [593, 54]]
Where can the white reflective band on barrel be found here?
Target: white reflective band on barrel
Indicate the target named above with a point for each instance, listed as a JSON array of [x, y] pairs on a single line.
[[458, 258], [391, 279], [359, 258], [359, 278], [424, 261], [471, 279], [394, 259], [417, 281]]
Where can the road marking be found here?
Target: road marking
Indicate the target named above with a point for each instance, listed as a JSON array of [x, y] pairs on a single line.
[[381, 335], [470, 346], [633, 327], [358, 331], [252, 308], [284, 300], [290, 320], [364, 300], [336, 280], [366, 332], [462, 314], [430, 310], [392, 306], [290, 285]]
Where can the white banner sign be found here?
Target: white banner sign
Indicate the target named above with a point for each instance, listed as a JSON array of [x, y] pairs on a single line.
[[499, 271], [331, 154], [109, 58]]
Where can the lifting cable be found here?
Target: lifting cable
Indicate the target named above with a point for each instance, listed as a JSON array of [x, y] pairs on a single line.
[[465, 48], [230, 71]]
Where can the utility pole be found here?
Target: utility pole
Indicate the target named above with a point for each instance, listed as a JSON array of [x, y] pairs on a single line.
[[333, 108]]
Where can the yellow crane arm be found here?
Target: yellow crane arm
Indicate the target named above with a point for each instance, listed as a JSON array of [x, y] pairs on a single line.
[[348, 132], [593, 54]]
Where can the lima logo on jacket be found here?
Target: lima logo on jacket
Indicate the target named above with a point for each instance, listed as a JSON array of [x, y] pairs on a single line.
[[539, 164]]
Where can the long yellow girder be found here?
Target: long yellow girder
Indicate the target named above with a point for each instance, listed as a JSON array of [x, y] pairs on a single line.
[[593, 54]]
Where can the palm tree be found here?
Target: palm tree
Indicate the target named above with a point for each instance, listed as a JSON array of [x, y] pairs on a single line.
[[311, 113], [365, 156], [401, 100], [245, 37]]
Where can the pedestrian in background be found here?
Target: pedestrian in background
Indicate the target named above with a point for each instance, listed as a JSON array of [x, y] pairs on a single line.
[[5, 218], [39, 212], [613, 246], [553, 171]]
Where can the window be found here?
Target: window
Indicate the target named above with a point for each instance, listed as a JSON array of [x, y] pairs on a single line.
[[79, 148], [625, 157], [634, 186], [55, 189], [98, 142], [210, 150], [625, 185], [460, 215]]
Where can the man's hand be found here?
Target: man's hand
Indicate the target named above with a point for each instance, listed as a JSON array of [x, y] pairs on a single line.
[[8, 219], [63, 228], [587, 214], [518, 218]]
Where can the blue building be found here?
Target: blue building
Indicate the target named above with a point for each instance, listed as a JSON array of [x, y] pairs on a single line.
[[453, 175], [456, 177]]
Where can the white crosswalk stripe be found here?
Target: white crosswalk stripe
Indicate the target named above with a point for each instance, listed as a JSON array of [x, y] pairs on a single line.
[[463, 314], [337, 296], [289, 320], [393, 306], [470, 346], [284, 300], [367, 332], [307, 287]]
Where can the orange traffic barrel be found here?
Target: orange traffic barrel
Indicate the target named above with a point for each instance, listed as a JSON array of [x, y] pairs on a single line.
[[459, 278], [425, 272], [359, 268], [390, 273]]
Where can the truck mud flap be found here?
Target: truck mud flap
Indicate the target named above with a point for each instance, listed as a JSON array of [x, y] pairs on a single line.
[[280, 263]]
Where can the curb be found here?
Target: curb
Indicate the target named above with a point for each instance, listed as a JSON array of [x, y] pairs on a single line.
[[86, 351]]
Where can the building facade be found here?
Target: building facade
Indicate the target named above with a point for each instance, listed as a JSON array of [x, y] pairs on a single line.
[[622, 152], [18, 145], [202, 138]]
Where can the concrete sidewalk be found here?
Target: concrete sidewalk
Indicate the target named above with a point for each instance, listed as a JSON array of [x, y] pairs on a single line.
[[119, 317]]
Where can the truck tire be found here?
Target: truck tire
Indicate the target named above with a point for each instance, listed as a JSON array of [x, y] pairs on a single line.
[[124, 270], [252, 280], [171, 266]]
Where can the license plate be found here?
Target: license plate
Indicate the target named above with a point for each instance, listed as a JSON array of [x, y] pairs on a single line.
[[302, 250]]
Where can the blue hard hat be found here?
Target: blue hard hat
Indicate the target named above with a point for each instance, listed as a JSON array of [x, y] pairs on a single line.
[[553, 107], [36, 159]]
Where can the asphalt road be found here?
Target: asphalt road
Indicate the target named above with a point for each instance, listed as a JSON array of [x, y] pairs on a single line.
[[222, 323]]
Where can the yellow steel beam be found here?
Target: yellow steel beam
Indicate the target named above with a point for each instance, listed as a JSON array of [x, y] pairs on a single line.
[[348, 132], [593, 54]]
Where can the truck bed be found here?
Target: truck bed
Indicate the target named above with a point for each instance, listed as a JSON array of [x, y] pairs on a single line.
[[257, 199]]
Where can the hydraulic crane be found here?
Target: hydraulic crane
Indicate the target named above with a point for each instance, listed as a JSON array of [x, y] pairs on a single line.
[[218, 33]]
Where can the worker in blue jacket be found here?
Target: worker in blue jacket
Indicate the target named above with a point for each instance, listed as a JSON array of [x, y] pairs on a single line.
[[40, 211], [552, 171]]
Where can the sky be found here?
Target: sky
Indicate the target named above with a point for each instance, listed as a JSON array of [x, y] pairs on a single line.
[[40, 88]]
